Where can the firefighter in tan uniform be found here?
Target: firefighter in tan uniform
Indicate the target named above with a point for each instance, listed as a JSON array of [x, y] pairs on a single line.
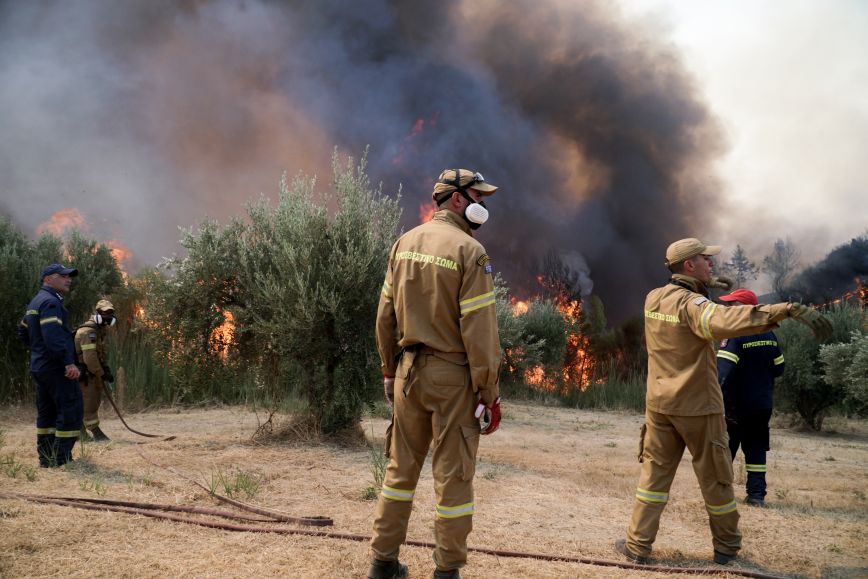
[[92, 358], [684, 405], [440, 352]]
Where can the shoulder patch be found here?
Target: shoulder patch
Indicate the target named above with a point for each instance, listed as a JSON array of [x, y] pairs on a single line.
[[483, 259], [700, 300], [92, 335], [723, 343], [488, 268]]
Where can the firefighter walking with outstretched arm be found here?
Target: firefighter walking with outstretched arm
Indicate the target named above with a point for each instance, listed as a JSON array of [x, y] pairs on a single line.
[[683, 403], [440, 351], [92, 357]]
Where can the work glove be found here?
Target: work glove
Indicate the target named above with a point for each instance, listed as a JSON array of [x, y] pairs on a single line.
[[107, 375], [488, 415], [721, 282], [389, 389], [816, 322]]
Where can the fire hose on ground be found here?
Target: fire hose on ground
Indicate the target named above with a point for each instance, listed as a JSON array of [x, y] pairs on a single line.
[[159, 511], [124, 422]]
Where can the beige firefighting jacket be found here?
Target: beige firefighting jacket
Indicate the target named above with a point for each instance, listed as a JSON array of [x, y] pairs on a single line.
[[439, 293], [681, 327], [90, 348]]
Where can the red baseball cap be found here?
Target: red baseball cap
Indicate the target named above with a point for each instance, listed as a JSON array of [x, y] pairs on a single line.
[[743, 296]]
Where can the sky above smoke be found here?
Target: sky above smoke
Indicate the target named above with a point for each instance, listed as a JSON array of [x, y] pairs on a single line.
[[602, 127]]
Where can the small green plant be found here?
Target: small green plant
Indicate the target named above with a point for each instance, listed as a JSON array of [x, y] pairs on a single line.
[[378, 463], [829, 458], [85, 450], [495, 471], [782, 494], [611, 445], [96, 484], [860, 495], [235, 485], [10, 466]]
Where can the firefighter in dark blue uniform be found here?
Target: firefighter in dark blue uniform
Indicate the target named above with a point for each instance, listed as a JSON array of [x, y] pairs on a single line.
[[45, 329], [747, 368]]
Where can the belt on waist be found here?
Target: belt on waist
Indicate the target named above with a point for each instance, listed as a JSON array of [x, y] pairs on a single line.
[[454, 357]]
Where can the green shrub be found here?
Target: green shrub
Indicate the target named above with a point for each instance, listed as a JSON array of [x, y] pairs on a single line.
[[802, 388]]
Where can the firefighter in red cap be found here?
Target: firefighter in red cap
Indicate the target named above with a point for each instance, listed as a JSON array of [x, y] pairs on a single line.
[[440, 351], [746, 369], [90, 352], [684, 404]]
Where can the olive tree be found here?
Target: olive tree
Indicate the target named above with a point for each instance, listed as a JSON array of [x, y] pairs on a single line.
[[315, 266], [802, 388]]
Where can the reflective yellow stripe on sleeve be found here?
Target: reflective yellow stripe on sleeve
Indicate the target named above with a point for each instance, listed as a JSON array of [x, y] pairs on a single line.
[[721, 509], [705, 321], [779, 360], [464, 510], [387, 290], [475, 303], [398, 494], [45, 430], [51, 320], [32, 313], [647, 496], [88, 347], [728, 356]]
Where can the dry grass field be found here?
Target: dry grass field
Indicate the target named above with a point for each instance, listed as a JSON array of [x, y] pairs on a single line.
[[552, 481]]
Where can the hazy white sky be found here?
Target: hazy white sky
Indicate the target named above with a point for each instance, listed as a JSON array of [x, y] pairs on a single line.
[[789, 84]]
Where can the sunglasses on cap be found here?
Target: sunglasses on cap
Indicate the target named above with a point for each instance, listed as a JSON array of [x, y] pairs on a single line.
[[456, 182]]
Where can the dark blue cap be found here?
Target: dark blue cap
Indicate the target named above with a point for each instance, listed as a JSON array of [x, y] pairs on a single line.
[[57, 268]]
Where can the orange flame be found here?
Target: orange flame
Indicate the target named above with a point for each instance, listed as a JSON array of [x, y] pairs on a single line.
[[121, 254], [221, 336], [519, 307], [427, 211], [62, 221]]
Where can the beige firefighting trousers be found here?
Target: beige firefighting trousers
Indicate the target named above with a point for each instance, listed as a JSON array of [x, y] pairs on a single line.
[[434, 401], [664, 440], [91, 392]]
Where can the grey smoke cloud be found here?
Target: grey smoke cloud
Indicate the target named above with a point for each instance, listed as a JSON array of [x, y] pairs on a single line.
[[148, 115]]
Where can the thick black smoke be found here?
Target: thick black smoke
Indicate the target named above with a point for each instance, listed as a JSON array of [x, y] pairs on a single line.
[[147, 115], [835, 275]]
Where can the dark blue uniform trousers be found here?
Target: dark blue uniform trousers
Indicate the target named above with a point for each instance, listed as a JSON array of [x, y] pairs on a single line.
[[751, 432], [60, 412]]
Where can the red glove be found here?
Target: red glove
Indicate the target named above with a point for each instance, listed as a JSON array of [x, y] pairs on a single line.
[[489, 416]]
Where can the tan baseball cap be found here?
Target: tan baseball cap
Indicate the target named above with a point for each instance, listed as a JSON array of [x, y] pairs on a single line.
[[450, 179], [684, 249], [104, 306]]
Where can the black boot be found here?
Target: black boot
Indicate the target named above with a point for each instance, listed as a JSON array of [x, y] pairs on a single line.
[[451, 574], [99, 435], [63, 449], [45, 450], [387, 570]]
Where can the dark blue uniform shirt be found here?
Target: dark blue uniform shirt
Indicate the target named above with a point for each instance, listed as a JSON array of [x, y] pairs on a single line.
[[746, 369], [47, 332]]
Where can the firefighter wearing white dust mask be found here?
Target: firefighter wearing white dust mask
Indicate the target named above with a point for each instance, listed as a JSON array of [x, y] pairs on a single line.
[[440, 352], [92, 358]]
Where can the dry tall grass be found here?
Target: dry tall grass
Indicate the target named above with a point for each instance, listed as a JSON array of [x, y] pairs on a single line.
[[551, 480]]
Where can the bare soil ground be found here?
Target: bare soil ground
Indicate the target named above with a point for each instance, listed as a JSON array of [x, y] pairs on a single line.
[[552, 481]]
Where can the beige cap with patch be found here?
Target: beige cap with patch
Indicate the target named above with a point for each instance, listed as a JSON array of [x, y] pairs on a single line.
[[451, 179], [684, 249]]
